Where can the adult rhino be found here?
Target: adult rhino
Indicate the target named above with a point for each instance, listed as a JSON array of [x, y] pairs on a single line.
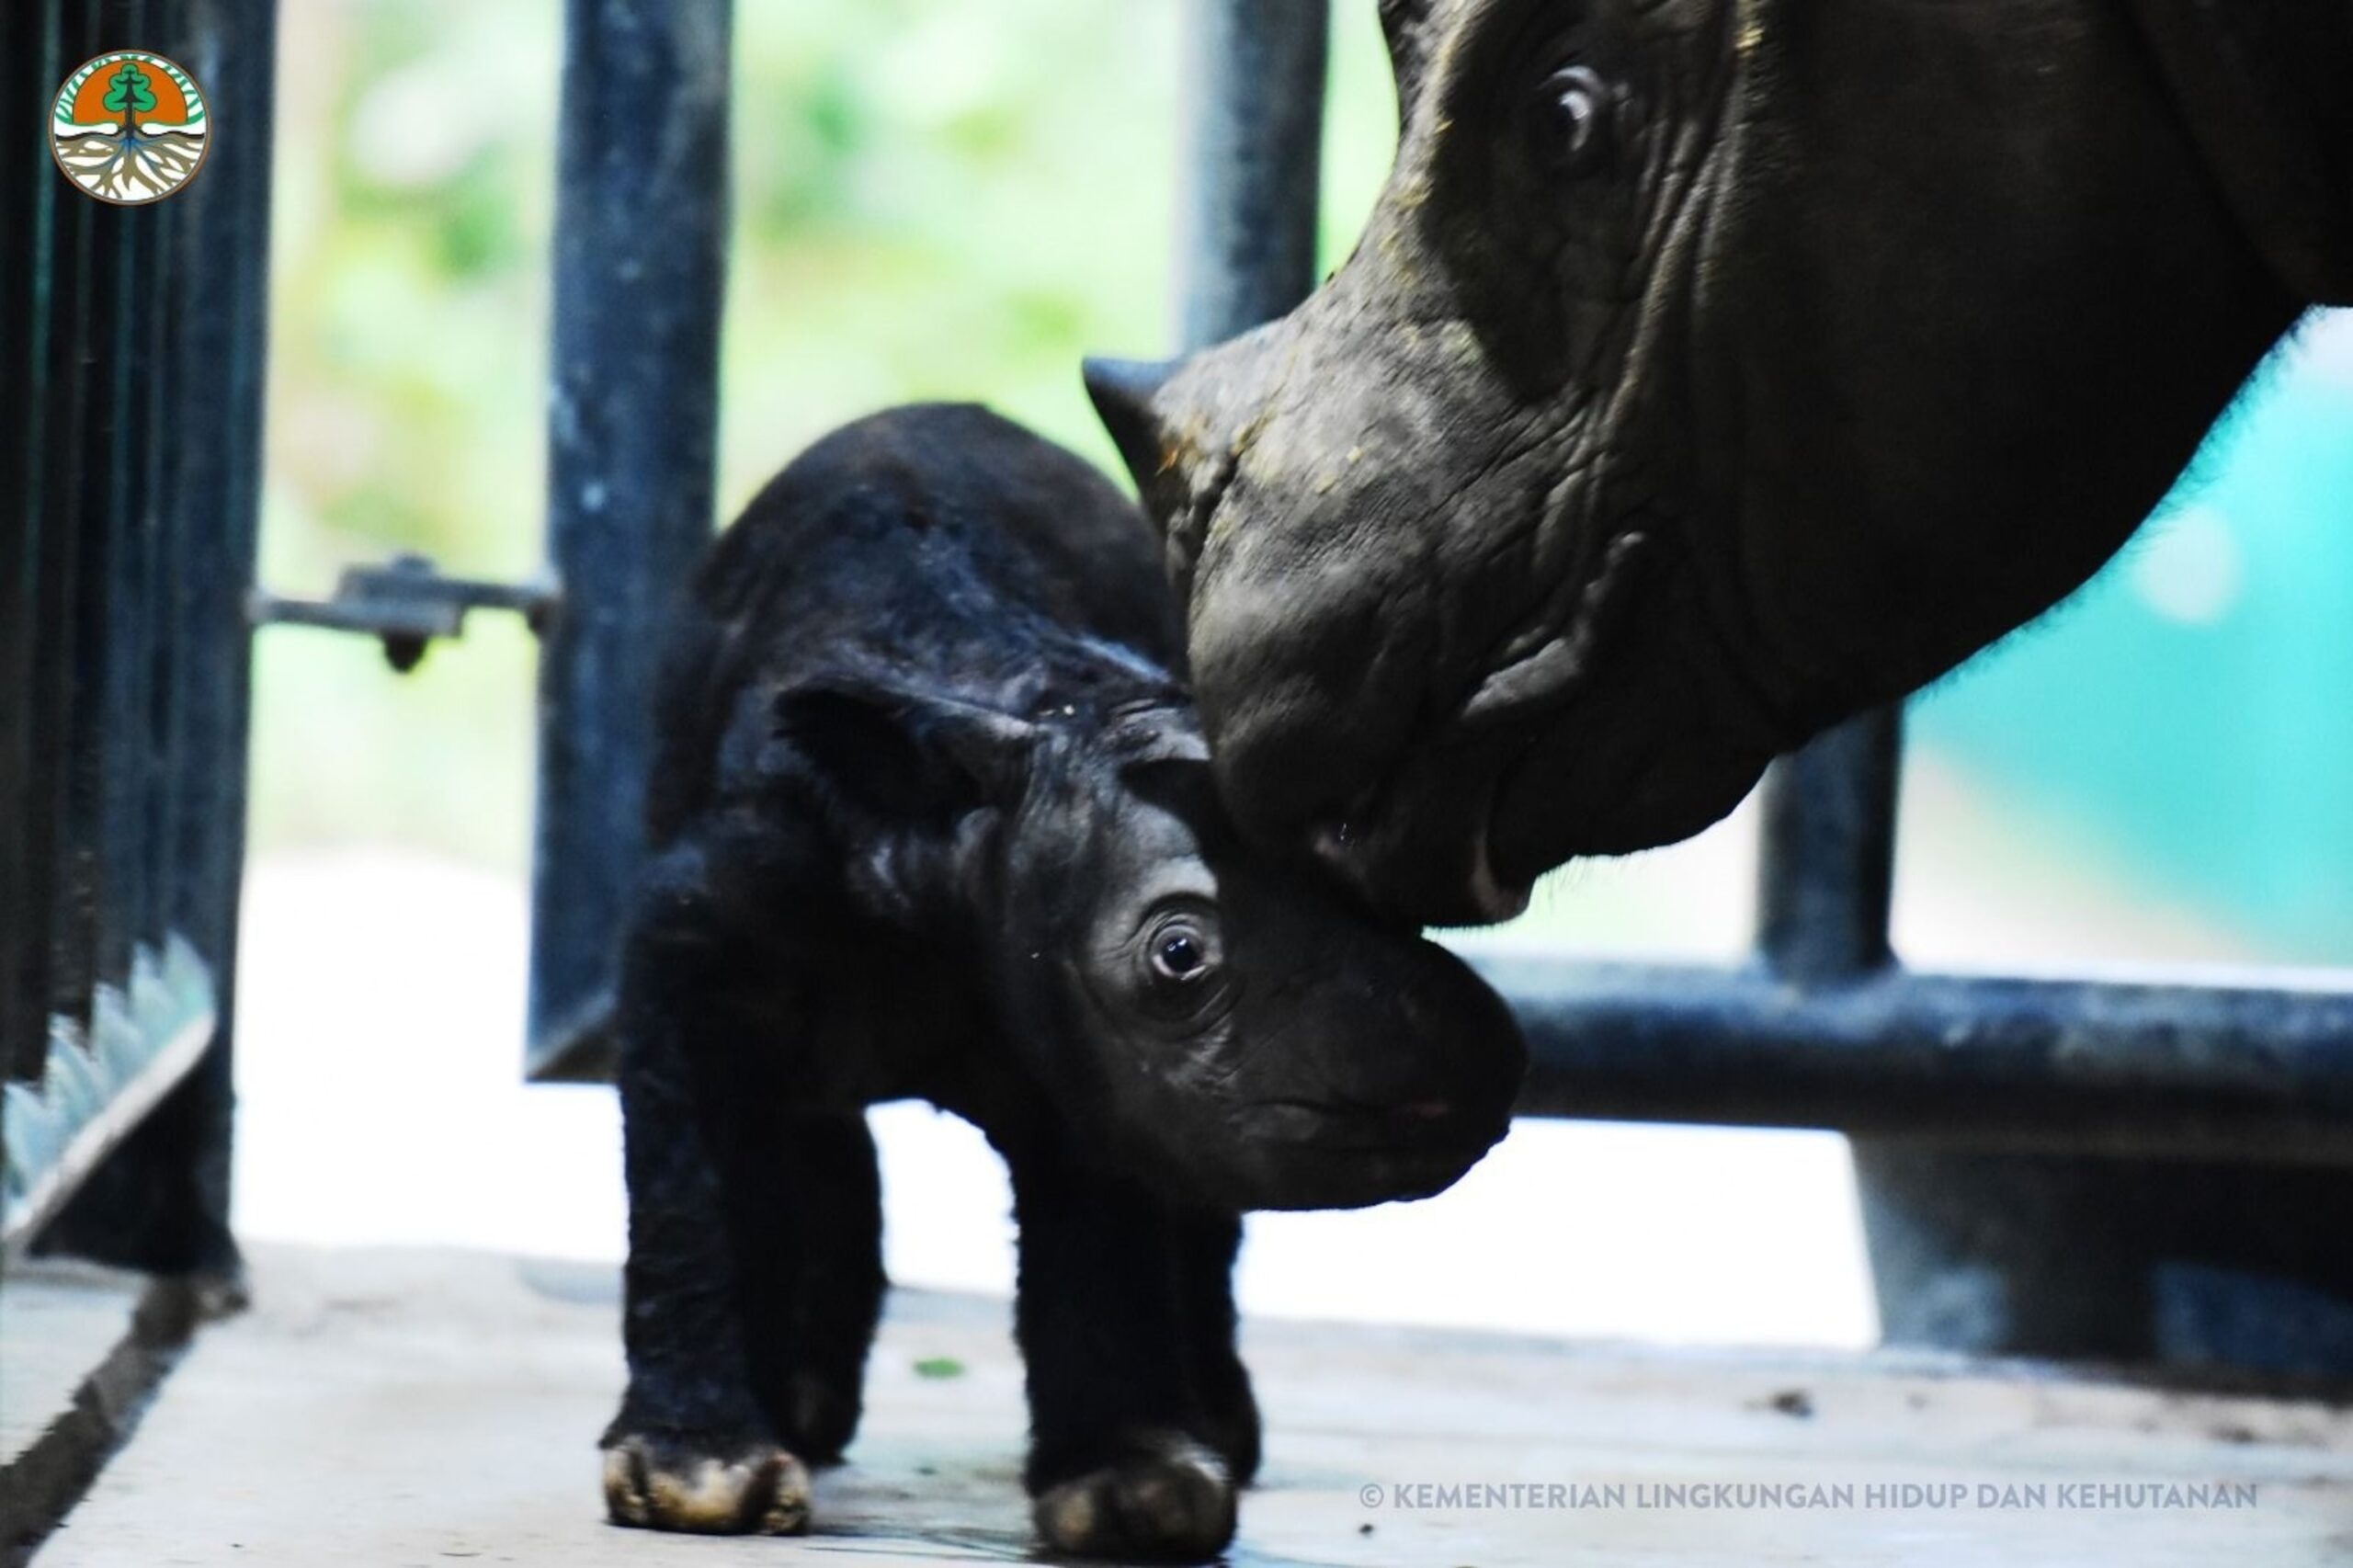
[[1711, 371]]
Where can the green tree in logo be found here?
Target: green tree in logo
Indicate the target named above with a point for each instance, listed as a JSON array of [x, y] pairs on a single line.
[[129, 95]]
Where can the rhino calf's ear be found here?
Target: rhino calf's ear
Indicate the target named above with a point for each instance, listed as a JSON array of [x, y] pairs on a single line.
[[906, 754]]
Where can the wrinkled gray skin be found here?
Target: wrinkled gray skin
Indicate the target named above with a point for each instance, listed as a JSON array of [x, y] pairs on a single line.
[[1760, 369]]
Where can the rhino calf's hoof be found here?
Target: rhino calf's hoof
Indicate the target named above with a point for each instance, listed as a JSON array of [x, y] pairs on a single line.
[[657, 1485], [1173, 1505]]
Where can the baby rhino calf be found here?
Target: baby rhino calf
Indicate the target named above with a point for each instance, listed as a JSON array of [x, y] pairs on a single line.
[[932, 817]]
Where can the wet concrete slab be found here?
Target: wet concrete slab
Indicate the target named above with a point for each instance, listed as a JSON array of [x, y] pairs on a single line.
[[58, 1322], [419, 1409]]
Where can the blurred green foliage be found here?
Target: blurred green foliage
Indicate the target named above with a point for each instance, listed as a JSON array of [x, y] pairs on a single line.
[[932, 199]]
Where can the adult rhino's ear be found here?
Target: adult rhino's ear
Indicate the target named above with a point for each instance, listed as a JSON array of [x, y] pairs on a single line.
[[906, 753], [1407, 25]]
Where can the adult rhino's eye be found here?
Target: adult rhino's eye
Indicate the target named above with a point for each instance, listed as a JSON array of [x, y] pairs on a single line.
[[1572, 128]]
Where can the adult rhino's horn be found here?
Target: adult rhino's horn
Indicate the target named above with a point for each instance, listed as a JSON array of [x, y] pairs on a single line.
[[1407, 24], [1122, 391]]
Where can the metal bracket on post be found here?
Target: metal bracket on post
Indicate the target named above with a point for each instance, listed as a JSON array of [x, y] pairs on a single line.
[[407, 603]]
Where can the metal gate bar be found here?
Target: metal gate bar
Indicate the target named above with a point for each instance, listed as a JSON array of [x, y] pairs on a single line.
[[641, 248], [25, 181], [131, 474], [1826, 864], [1253, 177]]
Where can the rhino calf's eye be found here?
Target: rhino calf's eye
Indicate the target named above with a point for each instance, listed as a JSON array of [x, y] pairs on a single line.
[[1180, 953], [1572, 127]]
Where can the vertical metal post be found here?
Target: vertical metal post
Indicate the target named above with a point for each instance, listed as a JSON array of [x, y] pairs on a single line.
[[52, 415], [1970, 1251], [27, 182], [161, 1202], [2196, 1263], [76, 263], [1827, 873], [126, 620], [180, 550], [640, 271], [1252, 187]]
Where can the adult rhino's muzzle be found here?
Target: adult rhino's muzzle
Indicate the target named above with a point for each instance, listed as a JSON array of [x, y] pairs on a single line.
[[1417, 844]]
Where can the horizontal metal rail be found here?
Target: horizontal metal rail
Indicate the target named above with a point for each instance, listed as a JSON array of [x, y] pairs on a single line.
[[2154, 1068]]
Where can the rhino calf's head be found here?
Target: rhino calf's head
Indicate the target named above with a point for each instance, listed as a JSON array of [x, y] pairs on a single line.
[[1226, 1024]]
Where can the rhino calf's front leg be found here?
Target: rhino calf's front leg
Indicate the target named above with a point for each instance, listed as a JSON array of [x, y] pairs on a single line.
[[754, 1270], [1142, 1424]]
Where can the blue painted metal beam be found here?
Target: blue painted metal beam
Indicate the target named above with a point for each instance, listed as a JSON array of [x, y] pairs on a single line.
[[641, 242], [1253, 166], [158, 326], [1826, 866], [2171, 1070]]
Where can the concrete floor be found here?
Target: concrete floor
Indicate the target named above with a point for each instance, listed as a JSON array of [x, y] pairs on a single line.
[[56, 1324], [409, 1409]]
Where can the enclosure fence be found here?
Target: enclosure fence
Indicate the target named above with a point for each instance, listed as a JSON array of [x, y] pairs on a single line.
[[130, 463], [137, 334]]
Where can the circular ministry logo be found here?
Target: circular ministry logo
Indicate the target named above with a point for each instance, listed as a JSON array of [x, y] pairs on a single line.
[[129, 128]]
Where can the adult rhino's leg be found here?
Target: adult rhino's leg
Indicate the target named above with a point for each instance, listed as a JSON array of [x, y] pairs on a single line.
[[1116, 1467], [691, 1448], [2190, 1263]]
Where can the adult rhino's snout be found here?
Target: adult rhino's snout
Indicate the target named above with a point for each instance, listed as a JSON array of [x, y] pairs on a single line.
[[1181, 427], [1438, 867], [1311, 622]]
